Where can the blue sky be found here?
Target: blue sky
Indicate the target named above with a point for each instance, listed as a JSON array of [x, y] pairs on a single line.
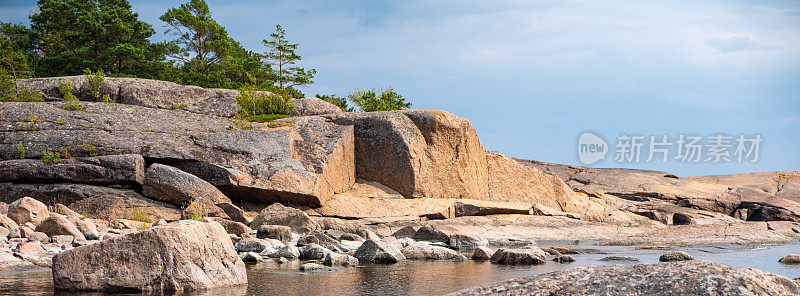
[[531, 76]]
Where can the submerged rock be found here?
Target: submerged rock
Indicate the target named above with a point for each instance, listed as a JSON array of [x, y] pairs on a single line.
[[620, 258], [675, 256], [180, 256], [379, 252], [790, 259], [429, 252], [519, 257], [679, 278]]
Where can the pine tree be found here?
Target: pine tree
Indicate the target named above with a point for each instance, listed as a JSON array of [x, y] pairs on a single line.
[[281, 53]]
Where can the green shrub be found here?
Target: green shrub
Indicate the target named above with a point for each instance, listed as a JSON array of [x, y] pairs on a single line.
[[141, 216], [20, 151], [370, 100], [50, 156], [10, 93], [252, 102], [70, 101], [336, 100], [107, 99], [90, 149], [95, 80]]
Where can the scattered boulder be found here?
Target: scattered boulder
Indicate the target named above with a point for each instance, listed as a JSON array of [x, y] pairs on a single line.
[[351, 237], [564, 259], [251, 244], [429, 252], [312, 106], [57, 224], [450, 236], [307, 240], [620, 258], [169, 184], [378, 252], [285, 251], [334, 259], [312, 267], [518, 257], [672, 256], [278, 232], [234, 227], [678, 278], [482, 253], [27, 209], [92, 235], [39, 237], [407, 231], [180, 256], [278, 214], [314, 252], [790, 259], [235, 213], [251, 257], [62, 239]]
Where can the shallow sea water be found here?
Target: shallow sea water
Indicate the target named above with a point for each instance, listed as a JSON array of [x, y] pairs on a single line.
[[417, 277]]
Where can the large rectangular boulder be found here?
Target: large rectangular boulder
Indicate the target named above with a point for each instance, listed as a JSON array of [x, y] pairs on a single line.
[[178, 257], [127, 169]]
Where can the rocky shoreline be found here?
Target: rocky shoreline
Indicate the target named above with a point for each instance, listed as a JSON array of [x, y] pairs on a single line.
[[147, 196]]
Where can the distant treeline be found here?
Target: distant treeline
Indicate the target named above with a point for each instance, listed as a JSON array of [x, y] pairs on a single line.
[[66, 37]]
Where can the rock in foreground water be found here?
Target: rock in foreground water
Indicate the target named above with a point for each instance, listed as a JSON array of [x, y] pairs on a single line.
[[790, 259], [181, 256], [675, 256], [677, 278]]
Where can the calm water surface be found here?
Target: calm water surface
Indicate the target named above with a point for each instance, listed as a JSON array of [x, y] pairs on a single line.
[[433, 277]]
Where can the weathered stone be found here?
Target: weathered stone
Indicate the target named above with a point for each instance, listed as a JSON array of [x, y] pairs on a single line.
[[234, 227], [235, 213], [312, 106], [38, 237], [314, 252], [423, 153], [518, 257], [103, 203], [675, 256], [307, 240], [252, 244], [104, 170], [790, 259], [7, 222], [450, 236], [351, 237], [9, 263], [169, 184], [334, 259], [291, 252], [620, 258], [407, 231], [312, 267], [277, 214], [482, 253], [27, 209], [378, 252], [680, 278], [303, 163], [278, 232], [181, 256], [429, 252], [564, 259], [92, 235], [62, 239], [57, 224], [512, 181], [251, 257]]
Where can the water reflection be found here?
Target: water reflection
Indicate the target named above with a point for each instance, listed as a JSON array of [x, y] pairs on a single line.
[[429, 277]]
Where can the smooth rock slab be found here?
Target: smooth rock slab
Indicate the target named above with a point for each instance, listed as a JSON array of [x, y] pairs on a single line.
[[169, 184], [180, 256], [678, 278]]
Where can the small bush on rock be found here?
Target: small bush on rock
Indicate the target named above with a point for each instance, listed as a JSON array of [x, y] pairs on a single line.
[[70, 101], [50, 156], [20, 151], [370, 100], [95, 80], [253, 105]]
